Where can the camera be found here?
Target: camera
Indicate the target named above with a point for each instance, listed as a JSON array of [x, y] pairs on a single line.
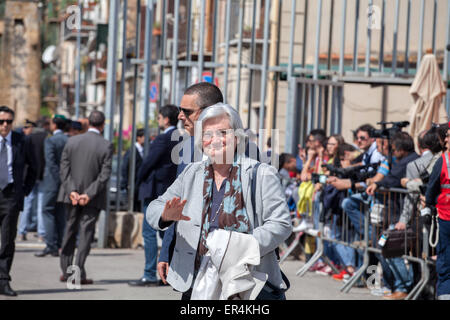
[[388, 133], [319, 178], [426, 215], [355, 174]]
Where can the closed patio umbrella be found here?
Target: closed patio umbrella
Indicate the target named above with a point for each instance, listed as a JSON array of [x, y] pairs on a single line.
[[428, 90]]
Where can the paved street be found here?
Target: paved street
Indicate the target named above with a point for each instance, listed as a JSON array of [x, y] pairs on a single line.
[[111, 269]]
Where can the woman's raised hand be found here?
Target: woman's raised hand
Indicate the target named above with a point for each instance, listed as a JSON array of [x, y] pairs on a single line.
[[173, 210]]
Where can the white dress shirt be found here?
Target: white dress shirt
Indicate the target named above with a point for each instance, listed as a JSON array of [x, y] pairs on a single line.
[[140, 149], [168, 129], [94, 130]]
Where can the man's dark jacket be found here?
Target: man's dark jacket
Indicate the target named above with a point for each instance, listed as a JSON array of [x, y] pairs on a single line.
[[53, 148], [37, 138], [157, 172], [126, 167], [393, 180], [24, 167], [398, 171]]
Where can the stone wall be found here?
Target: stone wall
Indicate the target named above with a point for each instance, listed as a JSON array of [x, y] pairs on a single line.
[[20, 60]]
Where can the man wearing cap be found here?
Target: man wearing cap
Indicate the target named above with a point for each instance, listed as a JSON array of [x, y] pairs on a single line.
[[28, 127], [75, 128], [37, 136], [28, 218], [53, 212]]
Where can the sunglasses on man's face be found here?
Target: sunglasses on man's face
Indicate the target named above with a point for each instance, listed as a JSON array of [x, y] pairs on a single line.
[[361, 138], [8, 121], [188, 112]]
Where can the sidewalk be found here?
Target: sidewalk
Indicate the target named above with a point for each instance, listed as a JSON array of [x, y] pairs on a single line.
[[111, 269]]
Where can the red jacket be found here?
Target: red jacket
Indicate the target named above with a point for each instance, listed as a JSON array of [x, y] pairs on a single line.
[[443, 200]]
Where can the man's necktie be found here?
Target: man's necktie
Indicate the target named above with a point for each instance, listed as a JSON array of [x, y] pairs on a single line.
[[3, 165]]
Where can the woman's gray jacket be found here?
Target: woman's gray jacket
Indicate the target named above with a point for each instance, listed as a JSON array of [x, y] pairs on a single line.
[[273, 224]]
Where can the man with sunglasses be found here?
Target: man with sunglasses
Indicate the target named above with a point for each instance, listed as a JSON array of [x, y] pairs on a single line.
[[370, 155], [352, 205], [15, 154]]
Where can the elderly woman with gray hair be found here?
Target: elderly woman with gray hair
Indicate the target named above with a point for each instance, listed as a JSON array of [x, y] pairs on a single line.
[[217, 194]]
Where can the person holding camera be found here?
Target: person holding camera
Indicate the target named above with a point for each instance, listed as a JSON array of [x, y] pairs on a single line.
[[352, 204], [438, 196]]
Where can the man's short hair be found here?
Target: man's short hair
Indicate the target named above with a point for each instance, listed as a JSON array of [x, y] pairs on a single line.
[[140, 132], [170, 111], [365, 127], [96, 118], [430, 141], [207, 94], [345, 147], [60, 123], [441, 130], [285, 158], [315, 132], [403, 141], [319, 135], [7, 110]]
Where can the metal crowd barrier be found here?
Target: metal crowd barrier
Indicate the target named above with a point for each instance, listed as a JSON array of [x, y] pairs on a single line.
[[393, 200]]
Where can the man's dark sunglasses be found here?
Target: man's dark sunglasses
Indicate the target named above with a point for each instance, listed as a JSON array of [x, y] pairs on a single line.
[[7, 121], [188, 112]]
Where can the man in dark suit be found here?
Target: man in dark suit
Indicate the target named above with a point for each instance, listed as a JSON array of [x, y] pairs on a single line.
[[28, 220], [84, 172], [53, 213], [15, 153], [37, 137], [155, 175], [125, 170]]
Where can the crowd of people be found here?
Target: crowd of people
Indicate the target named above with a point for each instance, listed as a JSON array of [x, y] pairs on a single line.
[[32, 218], [317, 187], [220, 201], [53, 175]]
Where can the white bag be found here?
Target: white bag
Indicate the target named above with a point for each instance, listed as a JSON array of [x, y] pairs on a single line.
[[377, 213]]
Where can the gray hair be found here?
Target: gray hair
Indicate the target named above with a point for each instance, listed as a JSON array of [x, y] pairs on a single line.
[[220, 110]]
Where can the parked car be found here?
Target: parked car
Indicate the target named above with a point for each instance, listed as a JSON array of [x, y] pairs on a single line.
[[123, 197]]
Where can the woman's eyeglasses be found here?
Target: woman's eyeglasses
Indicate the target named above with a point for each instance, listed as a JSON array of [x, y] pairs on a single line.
[[208, 135]]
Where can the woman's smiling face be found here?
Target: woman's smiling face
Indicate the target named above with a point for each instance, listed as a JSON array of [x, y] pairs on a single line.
[[219, 140]]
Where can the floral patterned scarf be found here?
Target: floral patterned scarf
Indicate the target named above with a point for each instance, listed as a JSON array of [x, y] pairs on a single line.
[[232, 214]]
